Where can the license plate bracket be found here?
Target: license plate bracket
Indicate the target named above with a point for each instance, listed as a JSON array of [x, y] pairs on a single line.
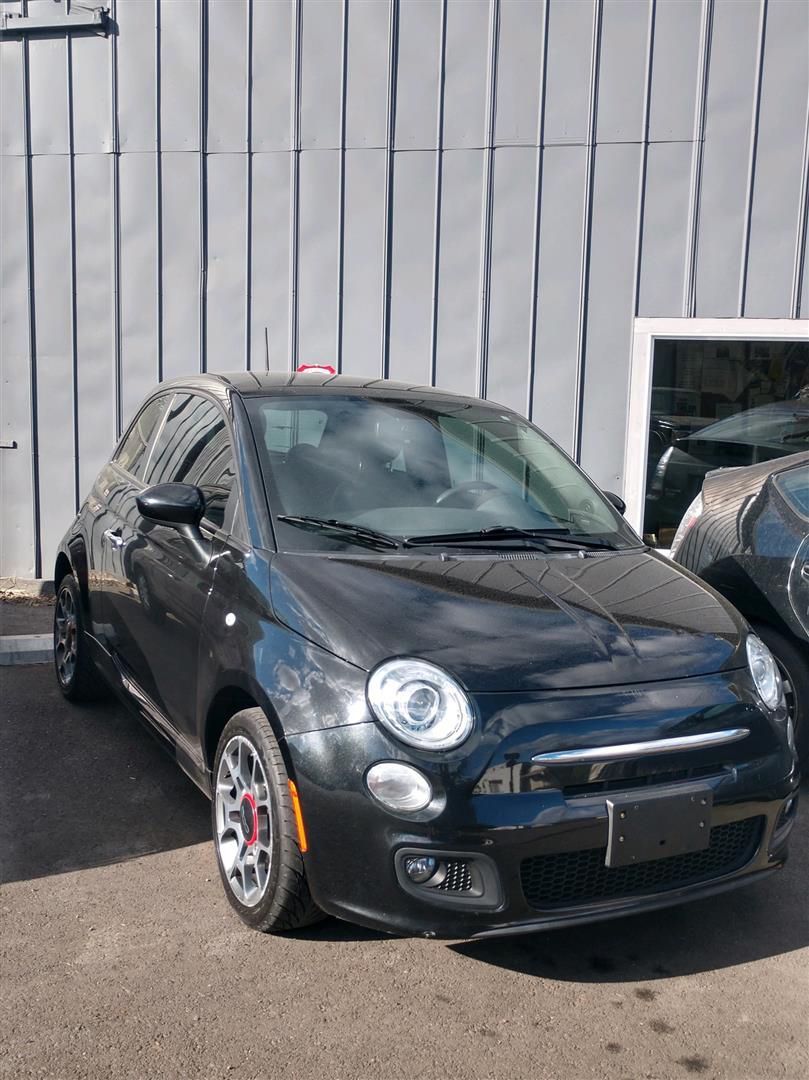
[[658, 825]]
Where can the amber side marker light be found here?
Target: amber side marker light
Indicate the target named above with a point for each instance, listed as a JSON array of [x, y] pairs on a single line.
[[296, 810]]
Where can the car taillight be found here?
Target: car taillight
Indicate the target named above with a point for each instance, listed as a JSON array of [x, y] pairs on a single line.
[[689, 519]]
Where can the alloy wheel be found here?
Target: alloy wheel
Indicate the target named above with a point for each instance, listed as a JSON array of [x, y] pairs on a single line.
[[243, 820], [65, 637]]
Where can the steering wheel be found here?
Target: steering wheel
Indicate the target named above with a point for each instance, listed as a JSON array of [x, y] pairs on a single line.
[[471, 493]]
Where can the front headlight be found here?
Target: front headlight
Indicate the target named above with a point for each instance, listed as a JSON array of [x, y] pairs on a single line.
[[765, 672], [420, 704]]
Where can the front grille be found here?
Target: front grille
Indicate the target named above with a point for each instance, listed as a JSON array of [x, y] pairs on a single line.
[[628, 783], [580, 877], [459, 877]]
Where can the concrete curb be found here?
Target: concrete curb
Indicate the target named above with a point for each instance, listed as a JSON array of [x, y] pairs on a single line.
[[25, 649]]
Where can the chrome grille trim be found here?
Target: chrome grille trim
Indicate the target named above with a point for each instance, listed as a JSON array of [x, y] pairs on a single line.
[[622, 751]]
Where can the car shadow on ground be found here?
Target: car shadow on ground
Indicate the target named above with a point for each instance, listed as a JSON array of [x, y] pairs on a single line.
[[762, 920], [769, 918], [84, 786], [731, 929]]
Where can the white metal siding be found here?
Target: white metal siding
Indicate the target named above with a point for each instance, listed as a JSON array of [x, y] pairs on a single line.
[[477, 193]]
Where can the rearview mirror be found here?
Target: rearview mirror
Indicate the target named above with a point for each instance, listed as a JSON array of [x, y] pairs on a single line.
[[616, 501], [181, 507]]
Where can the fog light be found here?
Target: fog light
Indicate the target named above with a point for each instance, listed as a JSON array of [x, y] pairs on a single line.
[[399, 787], [420, 868]]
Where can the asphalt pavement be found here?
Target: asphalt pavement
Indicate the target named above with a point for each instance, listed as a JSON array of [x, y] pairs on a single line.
[[120, 957]]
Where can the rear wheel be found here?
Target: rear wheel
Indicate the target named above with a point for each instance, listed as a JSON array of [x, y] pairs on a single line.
[[793, 662], [75, 671], [254, 829]]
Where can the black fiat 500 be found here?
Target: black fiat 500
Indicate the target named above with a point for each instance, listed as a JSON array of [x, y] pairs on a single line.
[[430, 678]]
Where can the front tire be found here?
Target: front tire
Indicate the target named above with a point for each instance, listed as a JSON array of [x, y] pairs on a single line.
[[254, 830], [793, 662], [76, 673]]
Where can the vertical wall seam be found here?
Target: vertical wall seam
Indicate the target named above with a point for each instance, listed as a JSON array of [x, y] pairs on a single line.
[[159, 188], [248, 197], [74, 342], [294, 184], [32, 329], [341, 187], [695, 187], [751, 164], [439, 180], [487, 212], [387, 254], [644, 156], [203, 186], [800, 238], [587, 221], [116, 231], [532, 336]]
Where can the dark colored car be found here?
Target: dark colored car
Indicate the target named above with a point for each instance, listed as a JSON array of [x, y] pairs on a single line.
[[765, 433], [747, 535], [431, 679]]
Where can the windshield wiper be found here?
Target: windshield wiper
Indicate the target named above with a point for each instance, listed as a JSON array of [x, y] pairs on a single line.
[[510, 532], [345, 528]]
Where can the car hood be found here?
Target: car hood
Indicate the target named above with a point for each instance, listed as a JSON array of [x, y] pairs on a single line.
[[514, 623]]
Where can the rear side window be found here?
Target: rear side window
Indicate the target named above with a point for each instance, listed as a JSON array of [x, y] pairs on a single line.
[[194, 448], [794, 486], [133, 453]]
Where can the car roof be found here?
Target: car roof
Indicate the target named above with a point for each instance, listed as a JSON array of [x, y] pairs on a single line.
[[261, 383]]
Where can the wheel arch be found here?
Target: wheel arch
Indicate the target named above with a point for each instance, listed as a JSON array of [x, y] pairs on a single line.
[[233, 695], [73, 561], [61, 569]]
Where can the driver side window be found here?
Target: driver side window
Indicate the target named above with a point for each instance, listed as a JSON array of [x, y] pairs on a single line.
[[194, 447]]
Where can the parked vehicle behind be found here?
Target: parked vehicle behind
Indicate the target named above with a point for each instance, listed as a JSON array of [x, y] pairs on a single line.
[[431, 679], [747, 535], [766, 433]]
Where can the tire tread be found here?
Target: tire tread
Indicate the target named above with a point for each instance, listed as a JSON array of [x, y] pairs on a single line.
[[292, 907]]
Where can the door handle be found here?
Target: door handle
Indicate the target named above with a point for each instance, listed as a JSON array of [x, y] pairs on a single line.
[[114, 537], [805, 571]]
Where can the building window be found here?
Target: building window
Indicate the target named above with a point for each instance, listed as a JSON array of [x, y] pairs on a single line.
[[718, 404]]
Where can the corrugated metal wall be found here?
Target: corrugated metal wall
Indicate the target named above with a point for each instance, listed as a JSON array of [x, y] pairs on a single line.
[[476, 193]]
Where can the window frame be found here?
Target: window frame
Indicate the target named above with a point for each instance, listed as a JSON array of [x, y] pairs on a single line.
[[646, 332]]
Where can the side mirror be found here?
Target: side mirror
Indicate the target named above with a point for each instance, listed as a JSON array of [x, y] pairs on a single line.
[[181, 507], [616, 501], [172, 504]]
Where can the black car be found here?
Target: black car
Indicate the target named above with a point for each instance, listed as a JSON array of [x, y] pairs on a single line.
[[431, 679], [747, 535], [766, 433]]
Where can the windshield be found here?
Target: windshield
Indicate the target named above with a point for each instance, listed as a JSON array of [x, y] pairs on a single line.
[[785, 422], [418, 468]]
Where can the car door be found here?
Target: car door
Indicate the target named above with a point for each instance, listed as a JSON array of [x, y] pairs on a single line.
[[114, 535], [157, 605]]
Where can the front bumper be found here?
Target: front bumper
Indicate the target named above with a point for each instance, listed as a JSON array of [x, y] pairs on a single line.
[[530, 855]]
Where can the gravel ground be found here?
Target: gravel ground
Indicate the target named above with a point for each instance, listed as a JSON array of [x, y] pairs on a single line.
[[120, 957]]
